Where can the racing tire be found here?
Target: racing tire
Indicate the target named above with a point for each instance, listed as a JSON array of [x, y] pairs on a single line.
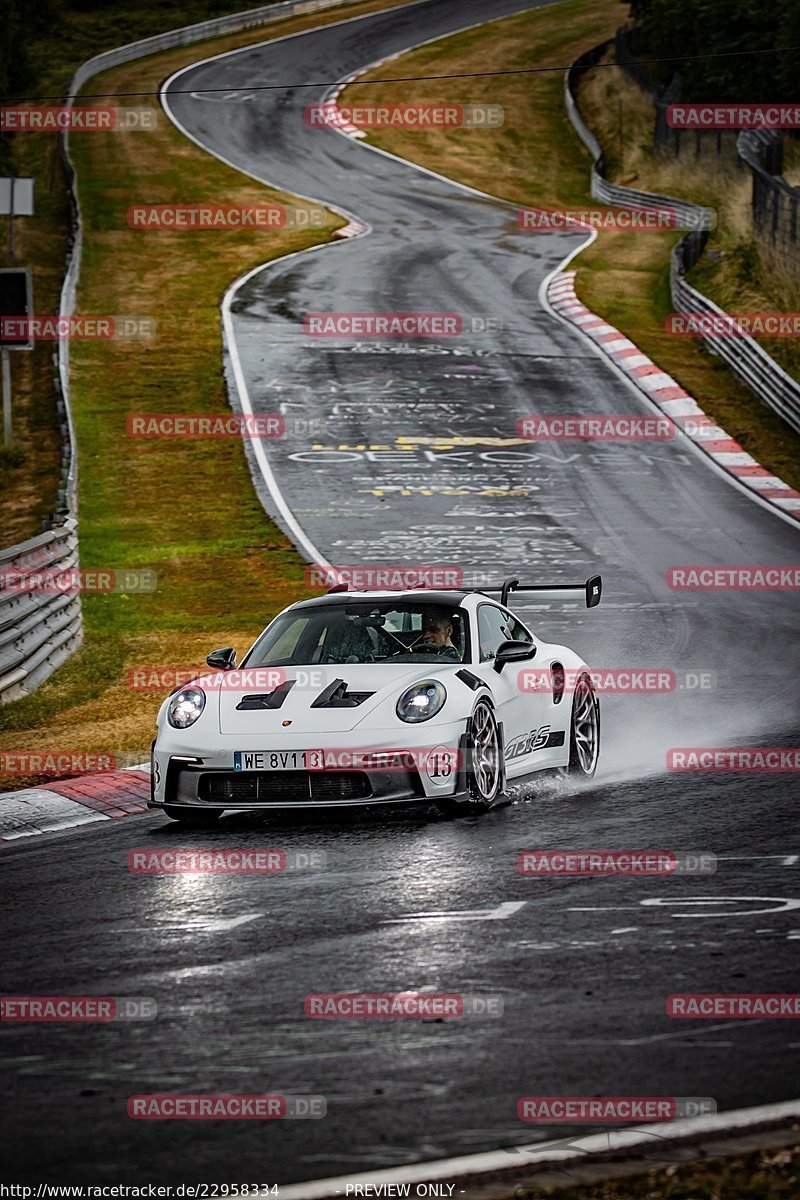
[[193, 817], [484, 768], [584, 732]]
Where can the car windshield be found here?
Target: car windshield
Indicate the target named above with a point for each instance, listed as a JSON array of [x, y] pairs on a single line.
[[364, 632]]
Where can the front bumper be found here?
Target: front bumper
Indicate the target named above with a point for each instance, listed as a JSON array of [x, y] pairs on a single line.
[[197, 787], [204, 780]]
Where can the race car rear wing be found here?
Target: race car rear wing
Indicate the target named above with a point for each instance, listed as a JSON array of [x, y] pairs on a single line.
[[592, 589]]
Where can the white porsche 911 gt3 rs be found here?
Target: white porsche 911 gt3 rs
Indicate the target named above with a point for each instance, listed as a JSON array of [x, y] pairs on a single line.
[[366, 698]]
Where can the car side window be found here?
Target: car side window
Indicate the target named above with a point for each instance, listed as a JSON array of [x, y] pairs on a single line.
[[493, 628], [516, 631]]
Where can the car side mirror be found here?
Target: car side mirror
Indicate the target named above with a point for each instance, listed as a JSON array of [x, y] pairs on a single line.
[[222, 660], [513, 652]]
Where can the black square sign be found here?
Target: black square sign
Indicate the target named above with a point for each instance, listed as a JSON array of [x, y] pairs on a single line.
[[15, 309]]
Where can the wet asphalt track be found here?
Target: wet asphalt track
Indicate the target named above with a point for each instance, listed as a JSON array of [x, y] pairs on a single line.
[[583, 966]]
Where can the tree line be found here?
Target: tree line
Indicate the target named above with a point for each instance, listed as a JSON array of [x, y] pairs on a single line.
[[693, 32]]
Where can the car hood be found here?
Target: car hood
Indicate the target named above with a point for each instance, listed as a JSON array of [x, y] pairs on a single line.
[[384, 683]]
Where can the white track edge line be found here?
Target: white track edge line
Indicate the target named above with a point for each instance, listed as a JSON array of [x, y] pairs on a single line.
[[498, 1162], [542, 293], [291, 522], [596, 349], [266, 470]]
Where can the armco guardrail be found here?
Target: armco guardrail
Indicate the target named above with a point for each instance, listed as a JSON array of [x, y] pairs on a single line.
[[187, 35], [742, 353], [687, 215], [38, 629], [750, 362]]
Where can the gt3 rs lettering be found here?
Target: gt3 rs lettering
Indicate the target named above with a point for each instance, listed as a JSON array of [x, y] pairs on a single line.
[[537, 739]]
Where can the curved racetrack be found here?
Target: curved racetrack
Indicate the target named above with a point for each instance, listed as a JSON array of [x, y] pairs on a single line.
[[400, 474]]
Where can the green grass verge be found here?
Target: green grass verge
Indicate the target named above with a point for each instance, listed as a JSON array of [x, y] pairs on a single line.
[[185, 509], [29, 471]]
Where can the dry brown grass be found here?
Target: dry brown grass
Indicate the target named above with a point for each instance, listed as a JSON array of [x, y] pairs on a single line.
[[533, 154], [740, 271]]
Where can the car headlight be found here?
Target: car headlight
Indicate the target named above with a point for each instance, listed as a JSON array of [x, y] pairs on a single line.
[[185, 707], [422, 701]]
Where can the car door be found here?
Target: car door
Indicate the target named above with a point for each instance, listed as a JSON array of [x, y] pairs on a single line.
[[524, 734]]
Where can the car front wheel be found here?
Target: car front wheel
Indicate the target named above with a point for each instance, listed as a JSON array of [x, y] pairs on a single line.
[[484, 766], [584, 737]]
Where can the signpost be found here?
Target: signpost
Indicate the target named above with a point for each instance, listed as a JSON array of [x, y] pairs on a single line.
[[15, 301], [16, 200]]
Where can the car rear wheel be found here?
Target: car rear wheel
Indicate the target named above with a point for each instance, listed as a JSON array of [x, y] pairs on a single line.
[[193, 817], [484, 774], [584, 737]]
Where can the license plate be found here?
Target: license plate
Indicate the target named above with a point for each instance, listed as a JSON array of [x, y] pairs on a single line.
[[277, 760]]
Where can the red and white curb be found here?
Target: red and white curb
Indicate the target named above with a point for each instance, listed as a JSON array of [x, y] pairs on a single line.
[[495, 1166], [671, 398], [336, 118], [66, 803], [351, 229], [339, 122]]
